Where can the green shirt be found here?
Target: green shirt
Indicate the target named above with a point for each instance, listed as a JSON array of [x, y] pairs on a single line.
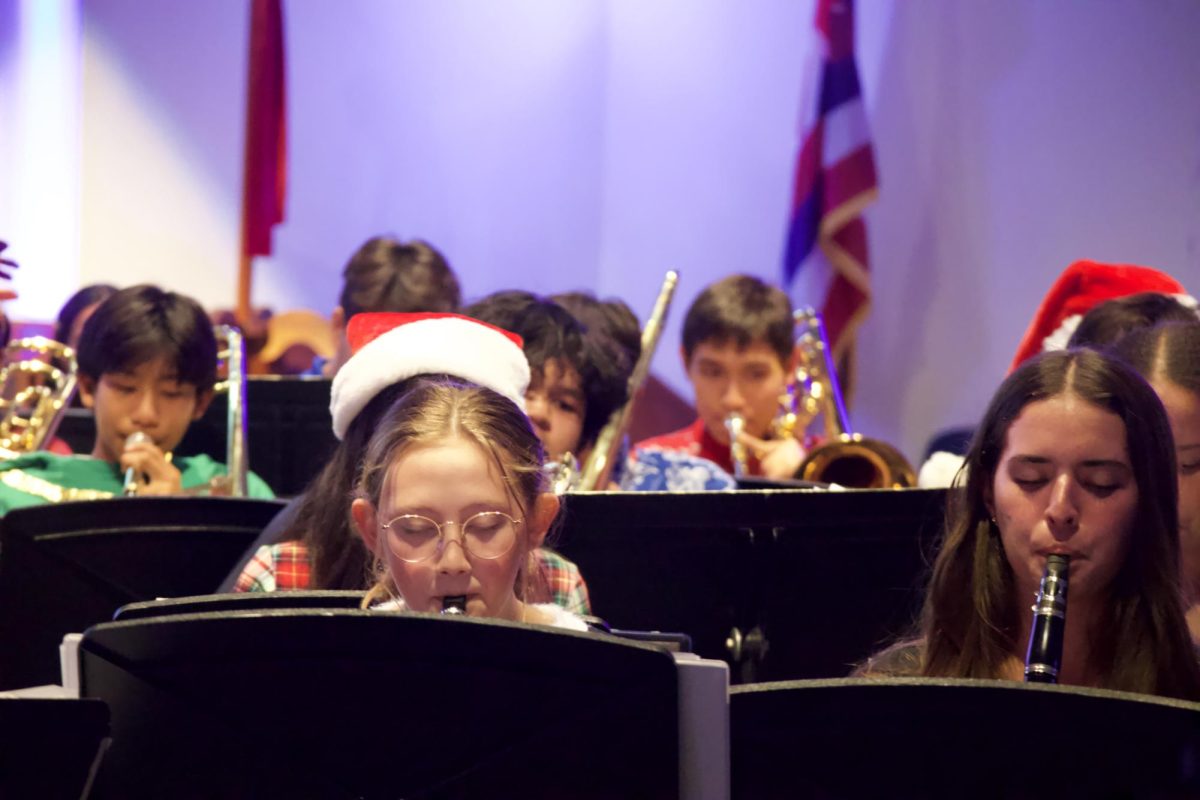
[[42, 477]]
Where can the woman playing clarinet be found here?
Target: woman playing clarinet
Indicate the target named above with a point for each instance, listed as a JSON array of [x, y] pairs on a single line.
[[1073, 459]]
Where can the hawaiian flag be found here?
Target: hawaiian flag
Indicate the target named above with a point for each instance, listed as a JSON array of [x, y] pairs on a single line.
[[825, 265], [264, 180]]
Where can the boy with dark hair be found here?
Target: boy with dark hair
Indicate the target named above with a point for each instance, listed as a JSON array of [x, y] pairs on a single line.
[[386, 274], [737, 350], [147, 364], [578, 378]]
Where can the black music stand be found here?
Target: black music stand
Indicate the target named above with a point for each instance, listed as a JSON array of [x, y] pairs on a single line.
[[289, 433], [935, 738], [825, 577], [67, 566], [339, 704], [49, 747]]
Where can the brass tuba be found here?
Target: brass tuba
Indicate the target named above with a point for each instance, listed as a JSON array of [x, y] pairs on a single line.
[[846, 458], [37, 381]]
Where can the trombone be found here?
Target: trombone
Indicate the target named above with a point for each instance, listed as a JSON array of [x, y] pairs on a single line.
[[231, 349], [598, 466]]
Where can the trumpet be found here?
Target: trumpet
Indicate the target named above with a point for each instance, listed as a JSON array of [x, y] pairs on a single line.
[[735, 424], [847, 458]]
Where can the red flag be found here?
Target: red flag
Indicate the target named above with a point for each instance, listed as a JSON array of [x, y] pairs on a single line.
[[264, 180], [825, 265]]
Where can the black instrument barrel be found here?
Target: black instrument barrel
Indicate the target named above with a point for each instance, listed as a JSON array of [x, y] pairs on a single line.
[[1043, 659]]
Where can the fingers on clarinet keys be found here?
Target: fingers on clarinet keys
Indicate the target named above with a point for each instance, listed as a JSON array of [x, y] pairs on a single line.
[[132, 479]]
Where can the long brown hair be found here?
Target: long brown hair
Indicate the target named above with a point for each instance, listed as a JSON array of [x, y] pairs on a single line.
[[970, 618], [434, 409], [337, 555]]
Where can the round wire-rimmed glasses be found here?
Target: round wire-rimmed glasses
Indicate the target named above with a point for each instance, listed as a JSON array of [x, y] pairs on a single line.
[[414, 538]]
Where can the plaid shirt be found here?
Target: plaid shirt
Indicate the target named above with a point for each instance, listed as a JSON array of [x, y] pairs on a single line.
[[284, 566]]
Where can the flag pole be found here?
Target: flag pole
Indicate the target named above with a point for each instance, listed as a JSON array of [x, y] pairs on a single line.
[[264, 173]]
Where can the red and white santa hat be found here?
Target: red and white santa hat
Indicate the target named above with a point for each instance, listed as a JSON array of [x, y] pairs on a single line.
[[1081, 287], [389, 347]]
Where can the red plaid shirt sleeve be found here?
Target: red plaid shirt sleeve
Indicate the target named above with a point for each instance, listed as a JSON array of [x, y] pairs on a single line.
[[560, 582], [276, 568]]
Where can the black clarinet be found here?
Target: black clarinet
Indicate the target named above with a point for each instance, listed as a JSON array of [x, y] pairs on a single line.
[[1044, 657], [455, 605]]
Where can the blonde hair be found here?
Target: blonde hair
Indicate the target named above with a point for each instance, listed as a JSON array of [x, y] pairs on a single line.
[[441, 408]]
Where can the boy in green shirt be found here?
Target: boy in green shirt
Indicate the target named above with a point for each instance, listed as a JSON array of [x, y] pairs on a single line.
[[147, 365]]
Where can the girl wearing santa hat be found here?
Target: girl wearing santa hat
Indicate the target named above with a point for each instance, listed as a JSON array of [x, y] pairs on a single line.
[[452, 502], [392, 352], [1072, 459], [1065, 318]]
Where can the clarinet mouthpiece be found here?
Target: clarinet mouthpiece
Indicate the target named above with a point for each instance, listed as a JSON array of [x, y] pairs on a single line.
[[455, 605]]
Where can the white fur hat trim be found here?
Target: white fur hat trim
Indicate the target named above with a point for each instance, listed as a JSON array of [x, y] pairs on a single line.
[[451, 345]]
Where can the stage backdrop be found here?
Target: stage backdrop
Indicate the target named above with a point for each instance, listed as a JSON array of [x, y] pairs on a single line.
[[594, 144]]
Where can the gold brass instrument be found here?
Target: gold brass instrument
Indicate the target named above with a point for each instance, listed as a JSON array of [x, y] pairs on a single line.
[[847, 459], [599, 464], [37, 381], [231, 356]]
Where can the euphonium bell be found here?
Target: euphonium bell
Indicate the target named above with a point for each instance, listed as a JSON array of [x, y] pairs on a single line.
[[37, 380], [846, 458]]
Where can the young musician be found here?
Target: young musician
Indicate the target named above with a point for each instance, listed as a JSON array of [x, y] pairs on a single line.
[[1169, 358], [738, 338], [579, 377], [452, 502], [1073, 457], [147, 365], [312, 544], [386, 274]]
